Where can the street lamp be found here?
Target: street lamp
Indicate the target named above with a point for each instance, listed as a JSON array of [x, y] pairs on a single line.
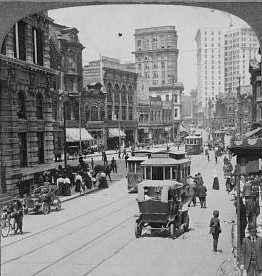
[[119, 138]]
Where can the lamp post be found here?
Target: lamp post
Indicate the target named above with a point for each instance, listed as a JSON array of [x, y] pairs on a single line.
[[119, 138], [64, 130], [80, 125]]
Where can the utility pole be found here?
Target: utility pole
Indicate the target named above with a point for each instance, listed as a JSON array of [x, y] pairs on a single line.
[[64, 115], [80, 125], [238, 208], [240, 115]]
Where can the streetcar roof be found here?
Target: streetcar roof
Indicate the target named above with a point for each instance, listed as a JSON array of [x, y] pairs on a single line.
[[193, 137], [160, 183], [164, 162], [137, 158]]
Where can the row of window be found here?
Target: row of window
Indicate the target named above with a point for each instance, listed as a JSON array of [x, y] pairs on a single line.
[[20, 38], [24, 148], [22, 106]]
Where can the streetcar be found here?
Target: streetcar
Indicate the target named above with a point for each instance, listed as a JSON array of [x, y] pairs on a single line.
[[135, 173], [194, 144]]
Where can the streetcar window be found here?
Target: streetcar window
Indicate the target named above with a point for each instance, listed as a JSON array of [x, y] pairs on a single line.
[[174, 173], [148, 173], [138, 168], [157, 173], [131, 167], [167, 172]]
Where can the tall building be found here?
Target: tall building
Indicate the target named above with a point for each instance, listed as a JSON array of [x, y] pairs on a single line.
[[156, 57], [241, 46], [156, 54], [210, 66]]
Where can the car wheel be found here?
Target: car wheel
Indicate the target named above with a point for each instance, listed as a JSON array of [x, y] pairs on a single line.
[[138, 230], [186, 223], [58, 205], [45, 208], [172, 231], [5, 227]]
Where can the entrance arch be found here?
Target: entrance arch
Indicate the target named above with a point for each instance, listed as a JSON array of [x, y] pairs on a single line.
[[11, 12]]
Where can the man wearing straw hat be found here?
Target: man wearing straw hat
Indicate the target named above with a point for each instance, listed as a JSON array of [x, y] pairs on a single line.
[[251, 252]]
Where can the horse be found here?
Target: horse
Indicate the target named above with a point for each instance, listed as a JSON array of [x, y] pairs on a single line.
[[106, 169]]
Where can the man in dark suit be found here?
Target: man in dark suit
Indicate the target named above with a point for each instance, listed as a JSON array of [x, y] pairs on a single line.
[[251, 252]]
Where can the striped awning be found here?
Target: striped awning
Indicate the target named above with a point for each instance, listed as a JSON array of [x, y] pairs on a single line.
[[115, 132], [73, 135]]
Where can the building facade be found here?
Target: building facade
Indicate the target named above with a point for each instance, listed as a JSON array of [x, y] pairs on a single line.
[[120, 86], [241, 45], [210, 66], [26, 131]]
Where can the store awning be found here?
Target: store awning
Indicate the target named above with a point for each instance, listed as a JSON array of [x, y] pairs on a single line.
[[115, 132], [73, 135]]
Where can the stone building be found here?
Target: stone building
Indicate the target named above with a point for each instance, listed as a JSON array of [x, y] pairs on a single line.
[[120, 86], [26, 131], [66, 56]]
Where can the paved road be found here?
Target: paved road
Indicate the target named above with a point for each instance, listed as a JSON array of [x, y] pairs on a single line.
[[94, 235]]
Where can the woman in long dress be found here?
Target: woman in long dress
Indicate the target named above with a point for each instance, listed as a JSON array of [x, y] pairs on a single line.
[[215, 181]]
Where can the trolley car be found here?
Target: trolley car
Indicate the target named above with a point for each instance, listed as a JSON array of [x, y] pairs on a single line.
[[194, 144]]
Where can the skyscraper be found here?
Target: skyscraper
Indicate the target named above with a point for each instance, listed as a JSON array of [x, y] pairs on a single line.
[[210, 66]]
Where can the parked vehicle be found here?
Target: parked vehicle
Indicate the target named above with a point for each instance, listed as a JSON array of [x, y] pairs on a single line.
[[193, 144], [42, 199], [161, 207]]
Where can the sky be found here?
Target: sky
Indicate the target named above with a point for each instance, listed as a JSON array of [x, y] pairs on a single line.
[[99, 27]]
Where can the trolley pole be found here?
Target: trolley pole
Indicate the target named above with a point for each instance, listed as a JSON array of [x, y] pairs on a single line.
[[238, 208]]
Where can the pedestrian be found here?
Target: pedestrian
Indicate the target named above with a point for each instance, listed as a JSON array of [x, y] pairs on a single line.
[[216, 157], [215, 181], [208, 159], [247, 189], [243, 218], [119, 154], [92, 163], [215, 229], [252, 209], [113, 165], [103, 154], [202, 193], [105, 160], [102, 181], [67, 185], [17, 214], [251, 253], [192, 193], [126, 158], [124, 153]]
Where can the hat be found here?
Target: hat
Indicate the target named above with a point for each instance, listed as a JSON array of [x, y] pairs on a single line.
[[252, 227], [215, 213]]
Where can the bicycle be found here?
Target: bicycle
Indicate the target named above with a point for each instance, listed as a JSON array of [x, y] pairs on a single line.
[[7, 223]]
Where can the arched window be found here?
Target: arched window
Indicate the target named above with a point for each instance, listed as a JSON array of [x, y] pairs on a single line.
[[123, 94], [21, 113], [130, 94], [67, 107], [87, 114], [39, 106], [117, 92], [109, 91], [76, 110], [94, 113], [102, 113]]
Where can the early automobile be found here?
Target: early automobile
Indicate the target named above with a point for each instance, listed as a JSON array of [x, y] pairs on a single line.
[[161, 205], [41, 200]]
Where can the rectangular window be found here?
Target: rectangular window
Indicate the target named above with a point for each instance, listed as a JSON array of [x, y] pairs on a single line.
[[23, 149], [37, 36], [40, 143], [130, 113], [123, 113], [19, 40]]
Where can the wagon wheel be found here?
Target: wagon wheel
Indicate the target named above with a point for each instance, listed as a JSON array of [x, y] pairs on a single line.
[[186, 223], [138, 230], [5, 225], [45, 208], [58, 205], [172, 231]]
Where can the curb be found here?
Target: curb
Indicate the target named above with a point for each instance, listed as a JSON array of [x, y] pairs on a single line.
[[77, 195]]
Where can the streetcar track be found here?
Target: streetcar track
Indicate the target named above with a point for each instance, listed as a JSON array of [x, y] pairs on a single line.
[[65, 222], [62, 237], [109, 257], [83, 246]]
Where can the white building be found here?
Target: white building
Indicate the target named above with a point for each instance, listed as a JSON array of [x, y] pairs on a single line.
[[241, 45], [210, 63]]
